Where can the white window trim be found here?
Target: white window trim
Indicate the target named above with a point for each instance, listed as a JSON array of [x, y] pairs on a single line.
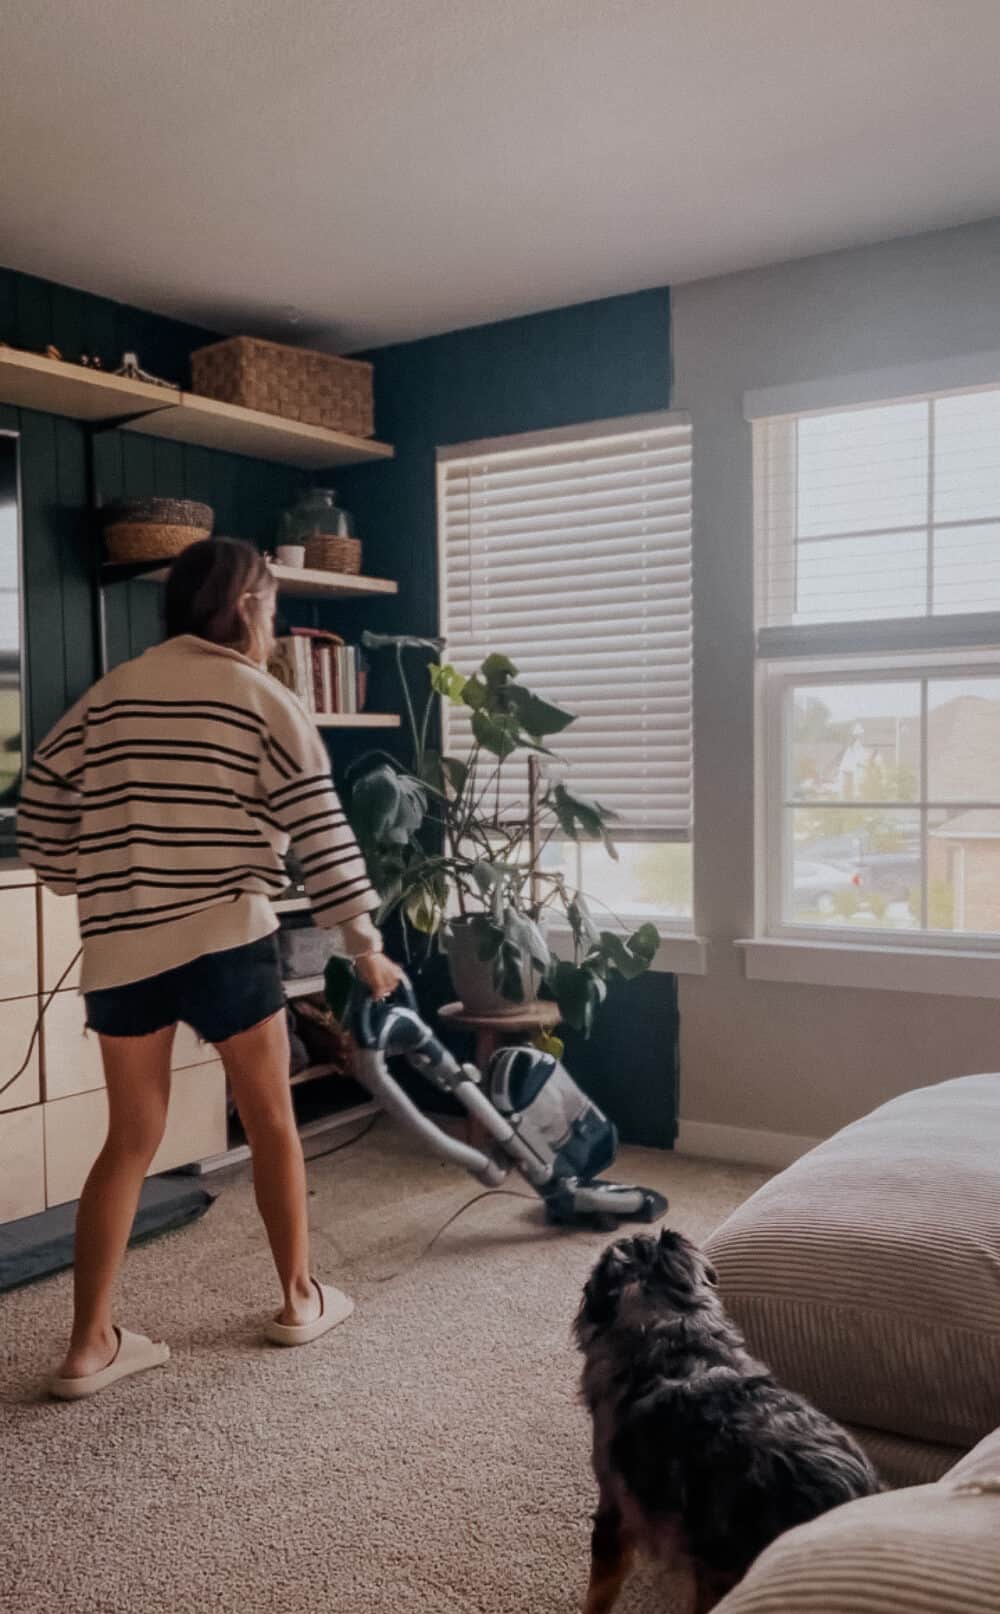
[[920, 962], [938, 972], [964, 372]]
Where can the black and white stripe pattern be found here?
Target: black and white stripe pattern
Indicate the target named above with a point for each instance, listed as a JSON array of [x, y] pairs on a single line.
[[177, 785]]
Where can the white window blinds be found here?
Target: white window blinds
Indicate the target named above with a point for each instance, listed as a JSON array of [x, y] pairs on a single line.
[[570, 552], [879, 512]]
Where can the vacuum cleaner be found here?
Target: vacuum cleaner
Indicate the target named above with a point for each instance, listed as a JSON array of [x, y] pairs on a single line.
[[536, 1118]]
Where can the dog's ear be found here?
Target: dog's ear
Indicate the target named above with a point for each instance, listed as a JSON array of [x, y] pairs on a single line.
[[711, 1274], [603, 1290]]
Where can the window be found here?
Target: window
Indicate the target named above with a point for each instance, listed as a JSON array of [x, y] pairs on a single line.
[[570, 552], [877, 542]]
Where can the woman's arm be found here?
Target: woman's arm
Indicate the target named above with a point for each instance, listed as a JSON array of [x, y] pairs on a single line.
[[301, 799], [48, 815]]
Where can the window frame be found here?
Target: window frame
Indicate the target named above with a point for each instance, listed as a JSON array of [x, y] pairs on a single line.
[[789, 654], [776, 679], [681, 949]]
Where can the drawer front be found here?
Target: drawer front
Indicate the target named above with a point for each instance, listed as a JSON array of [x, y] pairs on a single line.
[[71, 1056], [17, 1021], [75, 1129], [14, 873], [22, 1164], [18, 943], [60, 940]]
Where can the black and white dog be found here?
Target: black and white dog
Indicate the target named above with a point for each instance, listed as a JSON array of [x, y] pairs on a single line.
[[697, 1450]]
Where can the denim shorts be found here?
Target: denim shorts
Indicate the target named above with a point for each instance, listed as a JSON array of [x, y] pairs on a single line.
[[218, 995]]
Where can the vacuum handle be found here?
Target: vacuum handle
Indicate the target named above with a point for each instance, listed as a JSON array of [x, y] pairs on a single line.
[[367, 1014]]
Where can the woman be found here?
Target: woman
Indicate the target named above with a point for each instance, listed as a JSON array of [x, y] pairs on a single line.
[[165, 801]]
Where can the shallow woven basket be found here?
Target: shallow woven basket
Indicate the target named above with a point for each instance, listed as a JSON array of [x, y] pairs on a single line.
[[128, 541], [328, 552]]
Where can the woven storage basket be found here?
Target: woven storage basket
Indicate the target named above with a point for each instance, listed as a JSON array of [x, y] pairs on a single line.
[[329, 552], [294, 383], [154, 529]]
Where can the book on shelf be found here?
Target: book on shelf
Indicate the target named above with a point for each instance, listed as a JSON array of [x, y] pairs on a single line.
[[325, 673]]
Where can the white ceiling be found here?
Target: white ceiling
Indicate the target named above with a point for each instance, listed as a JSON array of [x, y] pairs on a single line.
[[391, 168]]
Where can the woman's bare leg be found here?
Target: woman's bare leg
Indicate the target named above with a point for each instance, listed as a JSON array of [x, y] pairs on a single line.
[[137, 1075], [257, 1063]]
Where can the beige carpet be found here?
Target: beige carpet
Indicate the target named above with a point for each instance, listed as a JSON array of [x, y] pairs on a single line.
[[429, 1455]]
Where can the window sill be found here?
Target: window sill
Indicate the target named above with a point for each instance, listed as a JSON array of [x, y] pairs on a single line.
[[679, 952], [947, 972]]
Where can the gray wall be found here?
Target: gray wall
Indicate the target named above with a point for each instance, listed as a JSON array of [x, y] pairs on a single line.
[[784, 1058]]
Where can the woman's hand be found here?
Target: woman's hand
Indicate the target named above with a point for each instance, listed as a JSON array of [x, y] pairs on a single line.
[[378, 973]]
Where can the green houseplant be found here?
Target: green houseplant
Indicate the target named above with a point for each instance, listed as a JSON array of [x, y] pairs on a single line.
[[470, 872]]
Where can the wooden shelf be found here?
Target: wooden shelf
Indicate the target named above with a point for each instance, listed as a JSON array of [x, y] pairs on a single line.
[[34, 382], [210, 424], [290, 580], [312, 1129], [355, 720], [314, 1073], [339, 585]]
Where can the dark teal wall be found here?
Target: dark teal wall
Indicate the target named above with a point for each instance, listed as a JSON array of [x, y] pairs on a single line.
[[58, 544], [595, 361]]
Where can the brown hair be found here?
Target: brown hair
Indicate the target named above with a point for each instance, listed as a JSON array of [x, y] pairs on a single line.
[[206, 587]]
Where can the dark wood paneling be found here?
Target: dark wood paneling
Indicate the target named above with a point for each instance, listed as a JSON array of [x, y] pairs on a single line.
[[248, 496]]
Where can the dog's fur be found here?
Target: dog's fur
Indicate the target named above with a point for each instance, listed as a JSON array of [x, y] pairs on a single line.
[[697, 1450]]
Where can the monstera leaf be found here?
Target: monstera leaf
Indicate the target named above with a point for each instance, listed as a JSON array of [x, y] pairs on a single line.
[[387, 807], [537, 717]]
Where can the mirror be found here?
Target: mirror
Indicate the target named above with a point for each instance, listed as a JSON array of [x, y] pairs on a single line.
[[11, 644]]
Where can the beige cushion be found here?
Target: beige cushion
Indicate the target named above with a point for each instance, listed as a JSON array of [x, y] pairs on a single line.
[[903, 1461], [979, 1468], [868, 1274], [933, 1549]]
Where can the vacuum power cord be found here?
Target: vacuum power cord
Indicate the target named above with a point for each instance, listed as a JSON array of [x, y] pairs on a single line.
[[38, 1024]]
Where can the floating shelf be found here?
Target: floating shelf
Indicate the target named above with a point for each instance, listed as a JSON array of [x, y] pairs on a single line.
[[313, 1073], [56, 388], [210, 424], [338, 585], [32, 381], [290, 580], [355, 720]]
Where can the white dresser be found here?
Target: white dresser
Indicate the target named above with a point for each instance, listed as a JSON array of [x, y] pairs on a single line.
[[53, 1118]]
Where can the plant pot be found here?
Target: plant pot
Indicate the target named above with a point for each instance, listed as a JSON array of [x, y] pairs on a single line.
[[472, 978]]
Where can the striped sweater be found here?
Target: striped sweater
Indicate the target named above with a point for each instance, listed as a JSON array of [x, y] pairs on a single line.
[[165, 801]]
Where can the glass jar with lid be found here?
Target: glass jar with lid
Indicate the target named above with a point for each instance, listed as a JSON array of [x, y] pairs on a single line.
[[315, 514]]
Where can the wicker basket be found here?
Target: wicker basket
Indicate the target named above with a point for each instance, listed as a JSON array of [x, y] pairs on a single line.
[[154, 529], [329, 552], [148, 540], [293, 383]]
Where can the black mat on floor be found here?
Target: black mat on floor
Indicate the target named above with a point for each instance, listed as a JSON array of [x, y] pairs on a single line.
[[36, 1246]]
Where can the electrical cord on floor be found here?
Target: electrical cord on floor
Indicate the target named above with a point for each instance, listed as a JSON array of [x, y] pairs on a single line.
[[38, 1025], [321, 1154], [487, 1193]]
